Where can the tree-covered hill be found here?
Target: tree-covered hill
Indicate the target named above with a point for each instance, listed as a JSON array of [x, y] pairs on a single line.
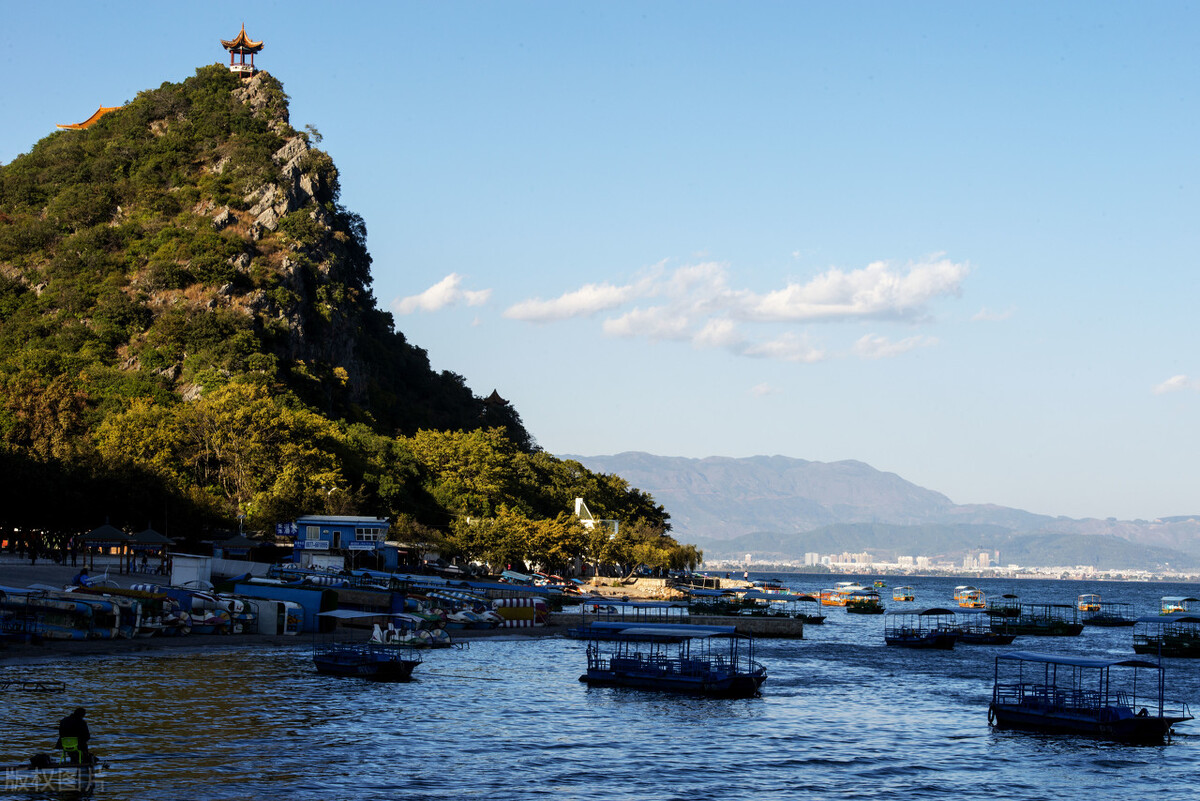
[[188, 334]]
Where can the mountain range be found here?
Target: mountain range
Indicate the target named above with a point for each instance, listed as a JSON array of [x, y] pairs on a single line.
[[779, 508]]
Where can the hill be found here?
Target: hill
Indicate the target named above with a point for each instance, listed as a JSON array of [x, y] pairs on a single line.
[[188, 337], [781, 508]]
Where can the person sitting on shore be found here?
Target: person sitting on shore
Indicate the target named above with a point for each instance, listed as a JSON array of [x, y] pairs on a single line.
[[73, 736], [81, 579]]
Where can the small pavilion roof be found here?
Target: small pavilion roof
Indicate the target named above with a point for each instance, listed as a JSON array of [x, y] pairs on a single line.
[[242, 43]]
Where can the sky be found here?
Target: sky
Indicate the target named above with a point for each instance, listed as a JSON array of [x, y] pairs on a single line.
[[955, 241]]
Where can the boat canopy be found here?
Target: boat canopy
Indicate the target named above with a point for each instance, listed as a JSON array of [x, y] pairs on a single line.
[[670, 633], [1075, 661], [1179, 599], [933, 610], [1167, 620], [710, 593]]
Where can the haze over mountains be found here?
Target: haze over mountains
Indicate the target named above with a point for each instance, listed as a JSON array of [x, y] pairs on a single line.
[[780, 508]]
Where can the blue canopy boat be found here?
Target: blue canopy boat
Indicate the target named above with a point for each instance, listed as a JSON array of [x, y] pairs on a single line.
[[927, 628], [704, 660], [1077, 695]]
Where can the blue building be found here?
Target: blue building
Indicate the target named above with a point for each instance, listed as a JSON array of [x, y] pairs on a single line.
[[342, 536]]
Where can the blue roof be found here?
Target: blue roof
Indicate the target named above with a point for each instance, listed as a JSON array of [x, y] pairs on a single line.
[[1075, 661]]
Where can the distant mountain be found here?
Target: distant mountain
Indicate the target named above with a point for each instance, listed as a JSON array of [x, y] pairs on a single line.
[[779, 507]]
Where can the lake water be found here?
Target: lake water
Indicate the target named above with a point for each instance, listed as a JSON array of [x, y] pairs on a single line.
[[840, 715]]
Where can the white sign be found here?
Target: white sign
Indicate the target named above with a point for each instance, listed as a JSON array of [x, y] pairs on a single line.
[[365, 545], [316, 545]]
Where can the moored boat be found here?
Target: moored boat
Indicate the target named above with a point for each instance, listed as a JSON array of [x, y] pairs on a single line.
[[702, 660], [864, 602], [977, 627], [1041, 620], [367, 660], [1175, 604], [1168, 635], [927, 628], [903, 594], [1089, 602], [1111, 614], [970, 598], [1080, 695]]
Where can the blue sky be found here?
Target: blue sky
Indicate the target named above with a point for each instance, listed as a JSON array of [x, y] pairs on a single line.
[[956, 241]]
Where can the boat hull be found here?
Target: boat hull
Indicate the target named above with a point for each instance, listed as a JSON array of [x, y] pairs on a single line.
[[742, 685], [940, 641], [374, 662], [1110, 723]]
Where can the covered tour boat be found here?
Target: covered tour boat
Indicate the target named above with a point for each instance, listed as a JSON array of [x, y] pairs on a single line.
[[1081, 695], [1175, 604], [927, 628], [864, 602], [903, 594], [977, 627], [368, 659], [1089, 602], [1110, 614], [1168, 635], [703, 660], [1042, 620]]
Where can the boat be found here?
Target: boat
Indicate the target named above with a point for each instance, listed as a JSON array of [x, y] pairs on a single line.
[[864, 602], [976, 627], [1080, 695], [701, 660], [1168, 635], [810, 618], [1089, 602], [367, 660], [927, 628], [903, 594], [1008, 605], [1041, 620], [960, 592], [1110, 614], [839, 595], [970, 598], [879, 584], [1175, 604]]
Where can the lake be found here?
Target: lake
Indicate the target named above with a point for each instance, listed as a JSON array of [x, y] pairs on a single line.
[[840, 715]]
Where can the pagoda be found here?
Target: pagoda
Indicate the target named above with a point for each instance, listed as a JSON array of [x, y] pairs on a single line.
[[239, 47]]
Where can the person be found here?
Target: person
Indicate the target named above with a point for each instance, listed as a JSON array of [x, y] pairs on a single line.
[[145, 563], [81, 578], [73, 736]]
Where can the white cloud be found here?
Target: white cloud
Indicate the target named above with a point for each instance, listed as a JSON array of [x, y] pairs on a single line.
[[446, 292], [583, 302], [1176, 383], [696, 303], [876, 291], [788, 348], [656, 322], [762, 390], [874, 346], [987, 315], [718, 333]]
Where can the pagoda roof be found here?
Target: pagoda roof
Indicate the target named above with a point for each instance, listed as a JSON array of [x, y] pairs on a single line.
[[242, 42], [90, 121]]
